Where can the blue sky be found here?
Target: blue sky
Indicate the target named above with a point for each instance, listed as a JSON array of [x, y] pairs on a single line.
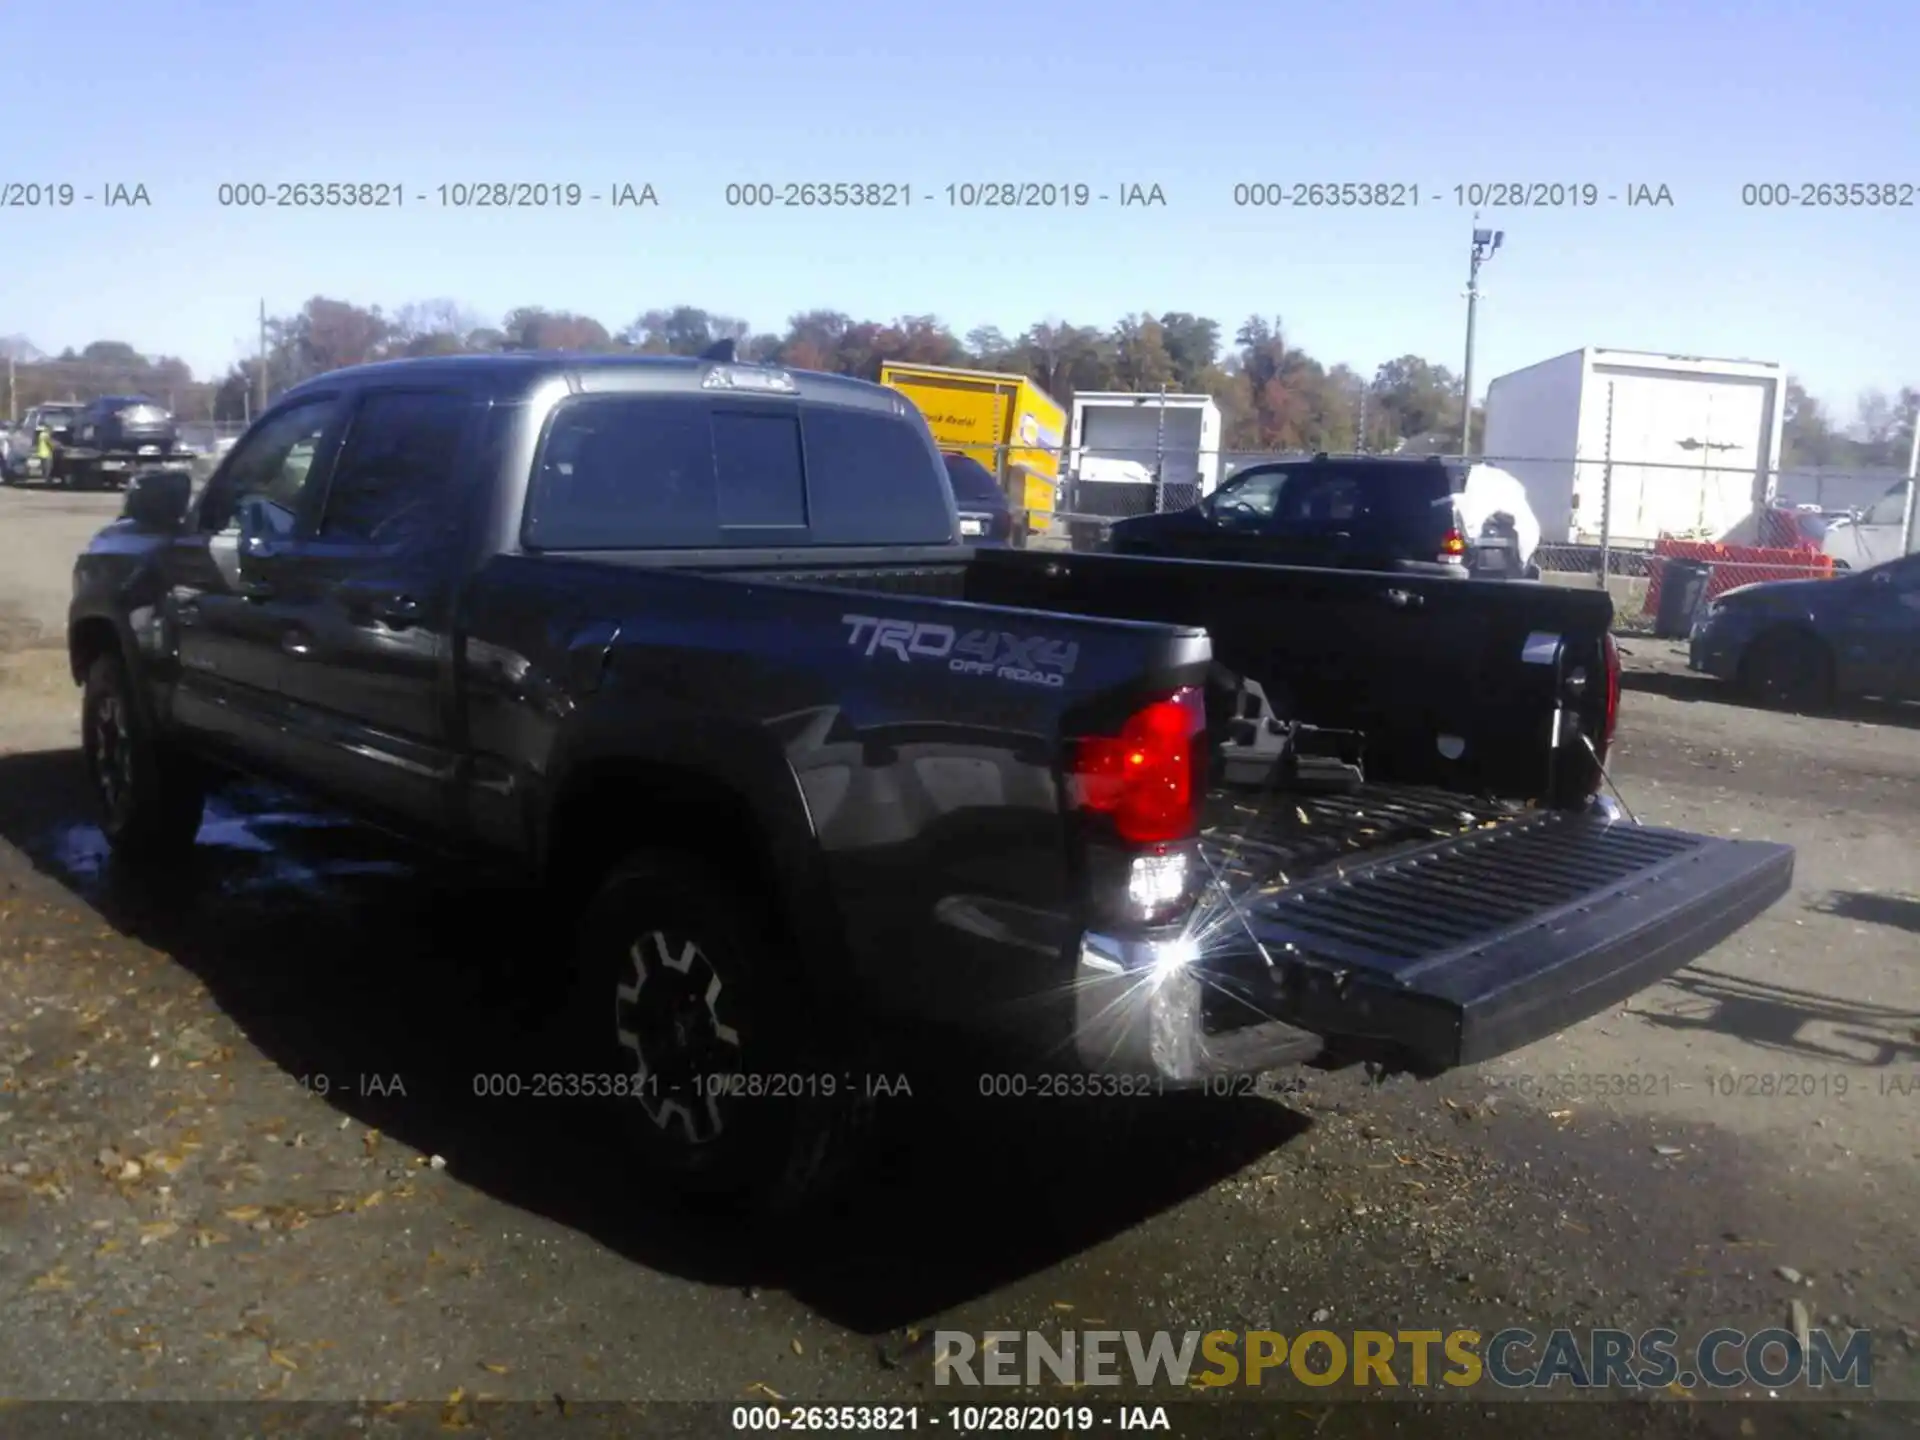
[[1699, 97]]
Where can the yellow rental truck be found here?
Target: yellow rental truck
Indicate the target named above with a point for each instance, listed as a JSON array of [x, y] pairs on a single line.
[[1006, 422]]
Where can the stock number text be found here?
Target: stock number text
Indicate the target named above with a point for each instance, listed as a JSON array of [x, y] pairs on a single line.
[[820, 195], [316, 195], [1346, 194], [1859, 195]]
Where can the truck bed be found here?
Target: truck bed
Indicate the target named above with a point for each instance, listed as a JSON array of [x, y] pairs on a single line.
[[1260, 842], [1458, 902]]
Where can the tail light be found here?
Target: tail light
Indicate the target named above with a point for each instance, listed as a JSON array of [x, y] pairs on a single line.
[[1150, 779], [1612, 715], [1453, 549]]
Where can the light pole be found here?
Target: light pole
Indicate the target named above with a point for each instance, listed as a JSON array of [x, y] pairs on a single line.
[[1485, 242]]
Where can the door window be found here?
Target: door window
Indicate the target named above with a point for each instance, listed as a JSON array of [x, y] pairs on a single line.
[[1252, 497], [268, 471], [397, 469]]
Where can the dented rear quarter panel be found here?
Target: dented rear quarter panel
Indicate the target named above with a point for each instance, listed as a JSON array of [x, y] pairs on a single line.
[[907, 747]]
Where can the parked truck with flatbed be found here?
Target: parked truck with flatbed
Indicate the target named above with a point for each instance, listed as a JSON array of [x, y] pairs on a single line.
[[697, 644], [111, 440]]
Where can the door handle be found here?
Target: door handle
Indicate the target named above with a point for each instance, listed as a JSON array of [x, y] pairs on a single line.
[[255, 590], [296, 643]]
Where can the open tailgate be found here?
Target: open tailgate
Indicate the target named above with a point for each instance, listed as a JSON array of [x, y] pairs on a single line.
[[1474, 946]]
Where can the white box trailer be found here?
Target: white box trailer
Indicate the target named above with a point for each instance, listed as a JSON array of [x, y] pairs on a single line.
[[1694, 443], [1178, 433]]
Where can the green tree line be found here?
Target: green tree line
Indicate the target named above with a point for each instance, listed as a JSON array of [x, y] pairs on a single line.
[[1273, 394]]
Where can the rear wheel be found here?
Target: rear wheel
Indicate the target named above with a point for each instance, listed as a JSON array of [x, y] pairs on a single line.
[[1789, 670], [721, 1076], [151, 798]]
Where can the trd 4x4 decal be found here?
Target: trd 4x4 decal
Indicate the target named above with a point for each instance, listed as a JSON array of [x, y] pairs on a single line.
[[1024, 659]]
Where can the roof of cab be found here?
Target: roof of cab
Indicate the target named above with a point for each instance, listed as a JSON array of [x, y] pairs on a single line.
[[511, 374]]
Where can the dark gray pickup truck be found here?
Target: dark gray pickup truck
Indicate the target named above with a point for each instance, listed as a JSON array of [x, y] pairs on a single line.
[[697, 644]]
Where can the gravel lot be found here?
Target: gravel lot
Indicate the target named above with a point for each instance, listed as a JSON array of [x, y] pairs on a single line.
[[241, 1156]]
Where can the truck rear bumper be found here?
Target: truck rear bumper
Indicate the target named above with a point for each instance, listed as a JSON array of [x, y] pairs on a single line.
[[1447, 956]]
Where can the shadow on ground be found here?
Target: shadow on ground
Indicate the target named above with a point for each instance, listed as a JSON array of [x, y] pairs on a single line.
[[341, 955], [1689, 688], [1778, 1018], [1898, 912]]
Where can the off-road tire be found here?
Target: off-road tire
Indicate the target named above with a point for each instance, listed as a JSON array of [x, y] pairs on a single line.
[[151, 798], [780, 1152]]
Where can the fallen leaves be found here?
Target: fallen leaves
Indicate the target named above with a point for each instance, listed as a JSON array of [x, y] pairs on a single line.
[[158, 1230], [54, 1279]]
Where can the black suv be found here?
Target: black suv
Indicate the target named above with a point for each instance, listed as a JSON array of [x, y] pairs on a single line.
[[985, 516], [125, 423], [1340, 513]]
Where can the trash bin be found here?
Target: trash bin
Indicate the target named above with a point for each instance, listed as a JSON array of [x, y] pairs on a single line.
[[1683, 585]]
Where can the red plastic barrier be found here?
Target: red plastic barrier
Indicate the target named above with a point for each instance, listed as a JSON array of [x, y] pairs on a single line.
[[1736, 565]]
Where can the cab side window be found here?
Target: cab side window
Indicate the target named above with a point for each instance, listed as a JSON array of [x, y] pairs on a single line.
[[397, 469], [266, 474]]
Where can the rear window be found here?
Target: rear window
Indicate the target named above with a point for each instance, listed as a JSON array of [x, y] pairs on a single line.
[[682, 472], [872, 480], [760, 480], [973, 483]]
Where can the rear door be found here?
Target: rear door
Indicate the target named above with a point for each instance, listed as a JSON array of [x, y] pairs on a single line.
[[364, 606], [1365, 516]]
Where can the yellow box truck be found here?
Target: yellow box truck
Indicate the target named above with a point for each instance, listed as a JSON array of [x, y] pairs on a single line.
[[1006, 422]]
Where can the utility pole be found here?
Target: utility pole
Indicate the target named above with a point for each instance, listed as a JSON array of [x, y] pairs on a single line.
[[1913, 487], [1160, 456], [263, 356], [1606, 497], [1485, 242], [13, 415]]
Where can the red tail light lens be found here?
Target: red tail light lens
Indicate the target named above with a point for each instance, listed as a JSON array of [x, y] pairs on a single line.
[[1150, 778], [1612, 716], [1454, 547]]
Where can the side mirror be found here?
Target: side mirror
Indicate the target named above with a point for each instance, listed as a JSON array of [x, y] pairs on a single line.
[[158, 499]]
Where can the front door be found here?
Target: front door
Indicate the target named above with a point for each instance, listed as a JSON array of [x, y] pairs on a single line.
[[217, 610], [1241, 516]]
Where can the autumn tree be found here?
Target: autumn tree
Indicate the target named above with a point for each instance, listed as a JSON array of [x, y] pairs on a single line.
[[683, 330], [1808, 435], [432, 327], [533, 328], [1140, 358]]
